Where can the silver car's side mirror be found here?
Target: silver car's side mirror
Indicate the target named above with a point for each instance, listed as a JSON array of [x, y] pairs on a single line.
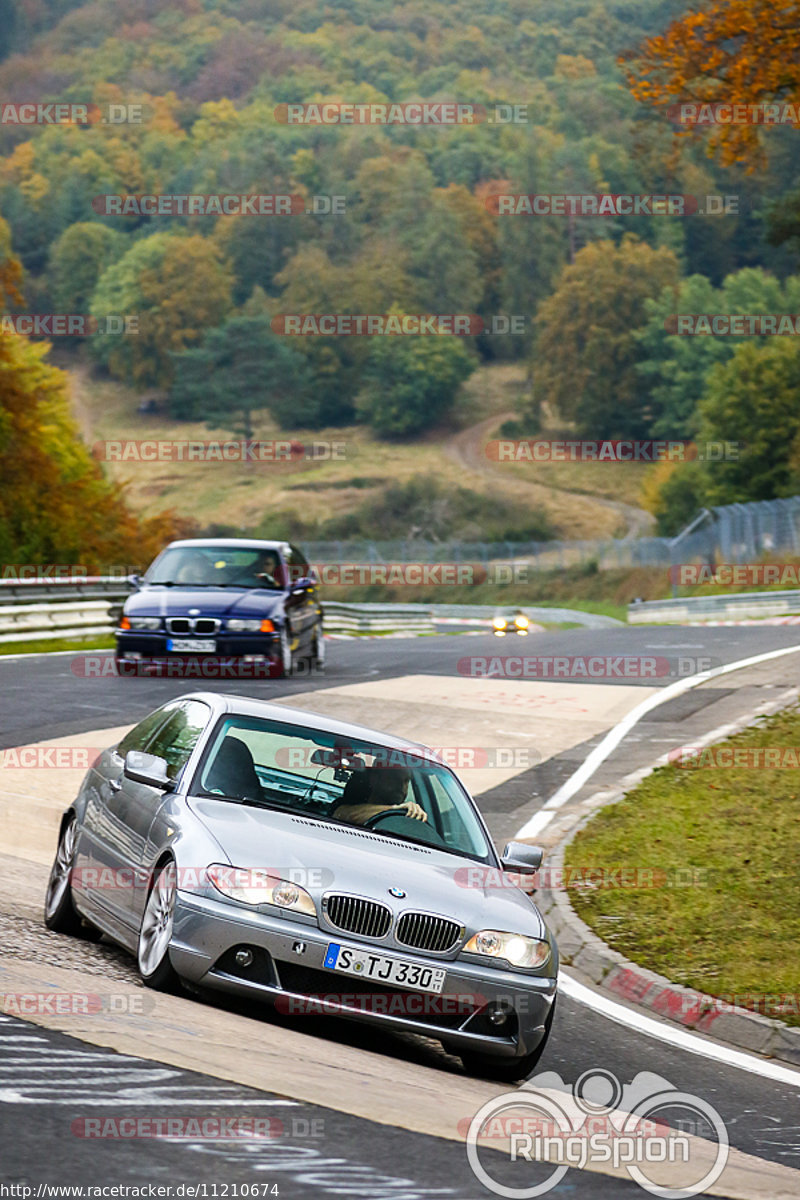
[[135, 581], [147, 768], [520, 857]]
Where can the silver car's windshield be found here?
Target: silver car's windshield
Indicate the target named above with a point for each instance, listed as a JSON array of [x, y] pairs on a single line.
[[217, 566], [403, 794]]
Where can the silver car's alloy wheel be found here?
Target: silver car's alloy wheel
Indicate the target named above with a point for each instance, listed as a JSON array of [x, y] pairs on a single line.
[[156, 931], [58, 883]]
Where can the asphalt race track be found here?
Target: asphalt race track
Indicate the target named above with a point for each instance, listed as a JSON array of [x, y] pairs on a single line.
[[354, 1113]]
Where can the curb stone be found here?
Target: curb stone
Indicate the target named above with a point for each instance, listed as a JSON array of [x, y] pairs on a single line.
[[624, 980]]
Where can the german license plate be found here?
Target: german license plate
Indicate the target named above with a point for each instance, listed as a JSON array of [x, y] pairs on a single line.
[[384, 969], [191, 645]]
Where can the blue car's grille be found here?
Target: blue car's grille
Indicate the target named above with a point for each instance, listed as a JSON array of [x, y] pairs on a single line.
[[199, 625], [424, 931], [354, 915]]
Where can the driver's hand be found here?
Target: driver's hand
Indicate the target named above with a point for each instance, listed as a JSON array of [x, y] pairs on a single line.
[[414, 810]]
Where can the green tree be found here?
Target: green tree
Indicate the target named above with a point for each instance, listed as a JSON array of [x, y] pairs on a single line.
[[754, 400], [674, 367], [77, 260], [240, 368], [585, 356], [411, 382]]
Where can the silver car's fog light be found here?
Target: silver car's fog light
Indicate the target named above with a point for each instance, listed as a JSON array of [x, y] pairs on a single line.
[[497, 1016], [515, 948], [244, 958]]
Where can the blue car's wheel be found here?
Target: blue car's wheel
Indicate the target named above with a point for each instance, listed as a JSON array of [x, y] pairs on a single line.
[[318, 647], [285, 657]]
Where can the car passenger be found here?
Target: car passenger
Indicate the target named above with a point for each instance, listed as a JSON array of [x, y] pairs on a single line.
[[373, 790]]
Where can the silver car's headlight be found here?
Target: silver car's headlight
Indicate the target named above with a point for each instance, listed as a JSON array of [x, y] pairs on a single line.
[[145, 623], [517, 949], [242, 625], [254, 886]]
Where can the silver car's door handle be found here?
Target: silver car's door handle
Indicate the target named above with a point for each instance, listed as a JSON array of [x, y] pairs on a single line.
[[115, 784]]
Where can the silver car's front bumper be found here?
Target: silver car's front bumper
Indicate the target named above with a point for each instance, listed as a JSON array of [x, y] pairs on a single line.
[[287, 967]]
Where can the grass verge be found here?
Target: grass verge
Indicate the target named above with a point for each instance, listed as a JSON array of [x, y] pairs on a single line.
[[734, 831], [46, 645]]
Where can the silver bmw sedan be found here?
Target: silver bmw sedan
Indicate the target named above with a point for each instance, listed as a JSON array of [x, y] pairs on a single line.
[[325, 867]]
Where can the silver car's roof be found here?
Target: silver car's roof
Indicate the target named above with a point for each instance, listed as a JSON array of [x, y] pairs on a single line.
[[248, 707]]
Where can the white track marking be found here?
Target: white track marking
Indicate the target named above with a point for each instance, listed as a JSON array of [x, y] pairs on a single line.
[[692, 1042], [614, 736]]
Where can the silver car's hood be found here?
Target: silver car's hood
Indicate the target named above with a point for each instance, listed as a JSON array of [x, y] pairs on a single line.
[[356, 860]]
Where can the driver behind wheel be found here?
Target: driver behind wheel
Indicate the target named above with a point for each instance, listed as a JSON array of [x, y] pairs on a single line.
[[374, 790]]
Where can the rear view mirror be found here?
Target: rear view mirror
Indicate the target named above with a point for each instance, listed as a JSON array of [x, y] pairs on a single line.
[[520, 857], [146, 768]]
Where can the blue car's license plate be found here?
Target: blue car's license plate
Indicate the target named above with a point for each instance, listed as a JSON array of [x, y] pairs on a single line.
[[191, 645], [384, 969]]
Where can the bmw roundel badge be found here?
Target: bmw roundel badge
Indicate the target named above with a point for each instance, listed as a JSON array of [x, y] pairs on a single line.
[[398, 892]]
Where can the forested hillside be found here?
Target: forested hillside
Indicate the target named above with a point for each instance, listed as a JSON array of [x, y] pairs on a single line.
[[418, 232]]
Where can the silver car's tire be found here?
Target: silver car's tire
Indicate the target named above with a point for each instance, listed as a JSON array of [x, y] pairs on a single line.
[[156, 931], [59, 911]]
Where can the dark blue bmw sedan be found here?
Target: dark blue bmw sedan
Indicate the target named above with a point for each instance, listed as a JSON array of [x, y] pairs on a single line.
[[241, 598]]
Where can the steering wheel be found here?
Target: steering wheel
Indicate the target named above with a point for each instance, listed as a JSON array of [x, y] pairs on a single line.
[[397, 811]]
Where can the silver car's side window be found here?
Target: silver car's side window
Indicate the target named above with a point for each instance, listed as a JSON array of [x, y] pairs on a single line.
[[138, 737], [176, 740]]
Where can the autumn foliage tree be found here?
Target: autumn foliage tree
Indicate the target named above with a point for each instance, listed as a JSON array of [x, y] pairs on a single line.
[[55, 503], [586, 353], [741, 51]]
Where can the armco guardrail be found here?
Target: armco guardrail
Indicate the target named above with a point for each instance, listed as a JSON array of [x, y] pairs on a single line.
[[714, 608], [89, 608], [42, 611]]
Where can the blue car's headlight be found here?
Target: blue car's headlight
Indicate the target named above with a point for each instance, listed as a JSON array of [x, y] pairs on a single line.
[[242, 625], [142, 624]]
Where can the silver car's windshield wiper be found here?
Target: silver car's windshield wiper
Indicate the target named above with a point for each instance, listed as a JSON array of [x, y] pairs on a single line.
[[175, 583]]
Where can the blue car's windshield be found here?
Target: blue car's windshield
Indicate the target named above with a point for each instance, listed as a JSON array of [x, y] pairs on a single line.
[[314, 774], [217, 566]]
